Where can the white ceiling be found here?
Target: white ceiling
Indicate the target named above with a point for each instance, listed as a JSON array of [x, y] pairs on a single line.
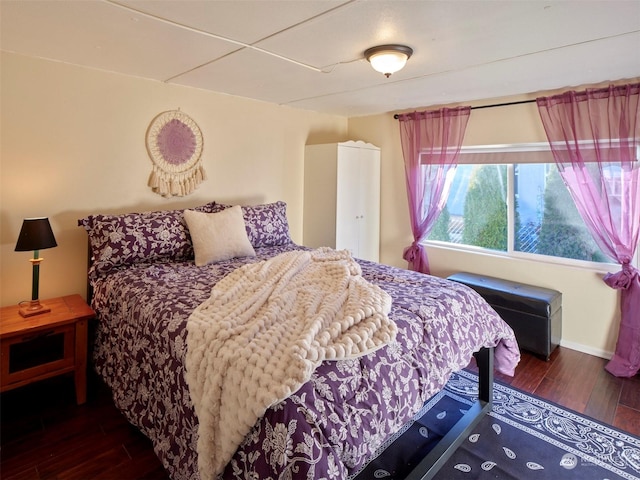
[[308, 54]]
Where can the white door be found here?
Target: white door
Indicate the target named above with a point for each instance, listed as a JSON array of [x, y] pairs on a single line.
[[348, 210], [369, 201]]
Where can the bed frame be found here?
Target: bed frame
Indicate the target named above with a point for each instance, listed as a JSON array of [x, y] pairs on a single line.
[[438, 456]]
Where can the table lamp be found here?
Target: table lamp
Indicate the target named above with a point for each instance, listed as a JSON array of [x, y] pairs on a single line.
[[36, 235]]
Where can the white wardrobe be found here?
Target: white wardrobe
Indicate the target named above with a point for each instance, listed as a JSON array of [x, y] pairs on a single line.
[[342, 198]]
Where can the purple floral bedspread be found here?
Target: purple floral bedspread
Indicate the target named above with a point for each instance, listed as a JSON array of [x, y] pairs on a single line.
[[328, 428]]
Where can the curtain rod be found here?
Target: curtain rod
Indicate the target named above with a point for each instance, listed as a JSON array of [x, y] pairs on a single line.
[[396, 116]]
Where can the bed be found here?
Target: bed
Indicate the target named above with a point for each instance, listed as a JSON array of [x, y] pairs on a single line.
[[150, 274]]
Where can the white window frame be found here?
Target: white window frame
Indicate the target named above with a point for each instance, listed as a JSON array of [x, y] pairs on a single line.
[[542, 149]]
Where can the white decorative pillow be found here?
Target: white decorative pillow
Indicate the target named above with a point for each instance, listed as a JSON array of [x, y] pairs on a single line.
[[218, 236]]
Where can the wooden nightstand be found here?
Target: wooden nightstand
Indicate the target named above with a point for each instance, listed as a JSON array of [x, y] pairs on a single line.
[[45, 345]]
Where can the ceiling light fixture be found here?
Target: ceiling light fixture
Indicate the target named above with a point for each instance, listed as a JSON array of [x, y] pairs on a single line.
[[388, 59]]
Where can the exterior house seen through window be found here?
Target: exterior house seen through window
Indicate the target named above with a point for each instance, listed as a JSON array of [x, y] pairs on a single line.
[[512, 199]]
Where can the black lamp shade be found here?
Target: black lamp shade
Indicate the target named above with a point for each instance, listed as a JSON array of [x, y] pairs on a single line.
[[35, 234]]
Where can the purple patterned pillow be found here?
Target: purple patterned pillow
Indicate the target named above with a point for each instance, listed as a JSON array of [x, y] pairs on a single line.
[[117, 240], [266, 224]]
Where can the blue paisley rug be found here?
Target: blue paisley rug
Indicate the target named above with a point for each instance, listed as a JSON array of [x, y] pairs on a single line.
[[523, 438]]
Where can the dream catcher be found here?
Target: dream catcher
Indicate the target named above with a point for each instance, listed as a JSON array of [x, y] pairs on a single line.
[[174, 143]]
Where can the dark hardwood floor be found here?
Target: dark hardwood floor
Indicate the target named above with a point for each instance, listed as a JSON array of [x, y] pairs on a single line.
[[44, 434]]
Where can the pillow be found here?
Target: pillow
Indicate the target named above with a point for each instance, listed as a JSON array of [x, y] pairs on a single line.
[[117, 240], [218, 236], [266, 224]]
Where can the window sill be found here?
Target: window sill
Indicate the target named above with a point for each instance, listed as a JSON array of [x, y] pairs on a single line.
[[595, 267]]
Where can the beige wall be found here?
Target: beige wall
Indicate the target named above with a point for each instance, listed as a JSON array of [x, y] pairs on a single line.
[[590, 308], [73, 143]]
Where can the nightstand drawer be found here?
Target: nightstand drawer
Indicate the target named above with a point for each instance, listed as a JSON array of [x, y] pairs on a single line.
[[37, 355]]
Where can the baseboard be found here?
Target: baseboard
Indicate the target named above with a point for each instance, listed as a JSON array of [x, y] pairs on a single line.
[[596, 352]]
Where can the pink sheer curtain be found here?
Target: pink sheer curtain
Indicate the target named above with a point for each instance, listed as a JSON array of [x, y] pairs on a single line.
[[595, 140], [431, 144]]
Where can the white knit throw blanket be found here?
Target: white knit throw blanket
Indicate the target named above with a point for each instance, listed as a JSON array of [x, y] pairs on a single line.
[[262, 333]]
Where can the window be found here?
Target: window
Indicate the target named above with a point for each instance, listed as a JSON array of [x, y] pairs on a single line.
[[512, 199]]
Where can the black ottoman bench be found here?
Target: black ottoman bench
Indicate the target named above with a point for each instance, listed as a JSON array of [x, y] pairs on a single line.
[[534, 313]]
